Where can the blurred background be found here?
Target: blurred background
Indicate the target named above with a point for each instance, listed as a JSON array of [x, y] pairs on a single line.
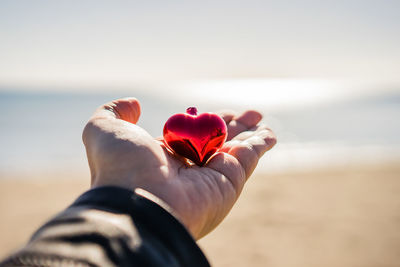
[[325, 74]]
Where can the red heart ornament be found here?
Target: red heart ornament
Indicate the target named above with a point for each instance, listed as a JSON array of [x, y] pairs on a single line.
[[196, 137]]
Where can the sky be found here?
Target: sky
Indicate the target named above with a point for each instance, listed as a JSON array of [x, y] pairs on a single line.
[[303, 56], [91, 43]]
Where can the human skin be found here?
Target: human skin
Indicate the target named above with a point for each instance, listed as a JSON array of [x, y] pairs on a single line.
[[120, 153]]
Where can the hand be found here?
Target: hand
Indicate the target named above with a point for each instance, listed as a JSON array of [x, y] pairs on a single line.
[[121, 153]]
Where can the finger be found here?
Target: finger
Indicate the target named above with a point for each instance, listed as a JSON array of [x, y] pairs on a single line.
[[243, 122], [226, 115], [249, 118], [242, 137], [108, 117], [251, 149], [234, 128], [241, 156], [230, 167], [250, 132], [127, 109]]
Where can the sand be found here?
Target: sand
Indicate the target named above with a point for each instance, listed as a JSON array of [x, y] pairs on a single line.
[[329, 217]]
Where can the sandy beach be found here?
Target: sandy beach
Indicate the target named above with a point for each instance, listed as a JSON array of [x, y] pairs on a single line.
[[327, 217]]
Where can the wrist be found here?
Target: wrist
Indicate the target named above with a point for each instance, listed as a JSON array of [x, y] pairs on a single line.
[[158, 194]]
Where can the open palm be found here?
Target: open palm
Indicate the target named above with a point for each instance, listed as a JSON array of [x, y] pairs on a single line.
[[121, 153]]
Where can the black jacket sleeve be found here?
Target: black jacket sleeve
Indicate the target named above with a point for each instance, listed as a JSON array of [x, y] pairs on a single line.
[[111, 226]]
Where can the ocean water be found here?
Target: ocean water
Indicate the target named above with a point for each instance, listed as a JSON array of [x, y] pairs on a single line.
[[42, 131]]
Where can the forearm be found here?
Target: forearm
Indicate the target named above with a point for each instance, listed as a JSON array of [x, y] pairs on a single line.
[[111, 226]]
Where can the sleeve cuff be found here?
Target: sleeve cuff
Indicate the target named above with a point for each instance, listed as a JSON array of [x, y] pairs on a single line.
[[152, 213]]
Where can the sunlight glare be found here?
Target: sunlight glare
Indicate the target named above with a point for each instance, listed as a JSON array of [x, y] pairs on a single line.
[[274, 93]]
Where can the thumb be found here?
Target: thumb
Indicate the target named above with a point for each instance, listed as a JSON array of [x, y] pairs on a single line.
[[127, 109], [107, 116]]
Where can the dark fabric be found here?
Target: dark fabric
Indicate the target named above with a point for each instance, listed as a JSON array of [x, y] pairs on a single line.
[[111, 226]]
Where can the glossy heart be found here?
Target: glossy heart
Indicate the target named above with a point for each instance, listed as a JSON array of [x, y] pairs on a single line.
[[196, 137]]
